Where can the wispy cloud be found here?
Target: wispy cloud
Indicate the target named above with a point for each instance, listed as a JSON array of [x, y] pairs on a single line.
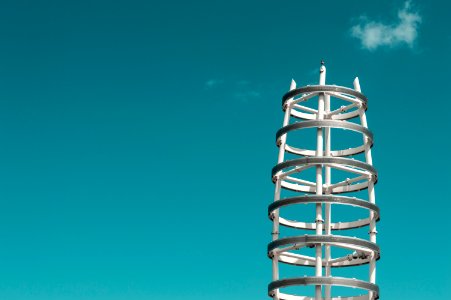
[[246, 96], [213, 83], [242, 90], [377, 34]]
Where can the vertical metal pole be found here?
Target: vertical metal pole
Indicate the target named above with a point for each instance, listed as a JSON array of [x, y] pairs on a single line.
[[286, 120], [327, 210], [319, 184], [371, 193], [275, 236], [275, 230]]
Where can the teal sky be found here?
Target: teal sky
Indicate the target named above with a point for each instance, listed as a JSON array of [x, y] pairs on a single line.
[[137, 140]]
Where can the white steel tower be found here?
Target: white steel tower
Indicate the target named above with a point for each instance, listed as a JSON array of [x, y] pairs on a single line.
[[319, 177]]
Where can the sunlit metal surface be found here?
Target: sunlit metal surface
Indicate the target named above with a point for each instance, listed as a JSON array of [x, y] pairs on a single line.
[[314, 107]]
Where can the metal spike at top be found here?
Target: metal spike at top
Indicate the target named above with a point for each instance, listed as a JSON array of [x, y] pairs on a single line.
[[322, 69], [292, 85]]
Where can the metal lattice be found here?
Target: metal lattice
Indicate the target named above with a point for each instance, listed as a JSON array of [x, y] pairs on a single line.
[[310, 107]]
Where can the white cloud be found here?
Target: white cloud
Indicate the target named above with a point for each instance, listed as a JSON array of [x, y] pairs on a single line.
[[376, 34], [213, 83]]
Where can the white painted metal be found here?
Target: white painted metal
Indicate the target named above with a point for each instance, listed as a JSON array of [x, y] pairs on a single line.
[[371, 194], [319, 183], [328, 207], [275, 231], [289, 175]]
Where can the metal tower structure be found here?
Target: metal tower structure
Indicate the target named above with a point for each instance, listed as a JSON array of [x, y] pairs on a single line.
[[333, 172]]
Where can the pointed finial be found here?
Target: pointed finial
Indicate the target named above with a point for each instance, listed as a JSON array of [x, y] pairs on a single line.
[[292, 84], [322, 62], [357, 84]]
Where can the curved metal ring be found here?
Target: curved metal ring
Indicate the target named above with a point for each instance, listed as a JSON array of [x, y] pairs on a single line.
[[326, 123], [297, 242], [332, 90], [324, 199], [340, 281], [323, 160], [319, 160], [324, 88], [325, 239]]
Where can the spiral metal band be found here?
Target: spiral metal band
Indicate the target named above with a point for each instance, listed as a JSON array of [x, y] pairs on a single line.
[[355, 165], [326, 123], [324, 88], [338, 281], [365, 248], [332, 199], [308, 92]]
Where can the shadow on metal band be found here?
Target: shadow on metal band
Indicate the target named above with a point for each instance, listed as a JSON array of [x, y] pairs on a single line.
[[324, 88], [325, 123], [316, 160], [324, 239], [336, 281], [332, 199]]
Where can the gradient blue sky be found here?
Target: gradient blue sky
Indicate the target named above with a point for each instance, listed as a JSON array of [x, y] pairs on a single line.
[[137, 140]]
